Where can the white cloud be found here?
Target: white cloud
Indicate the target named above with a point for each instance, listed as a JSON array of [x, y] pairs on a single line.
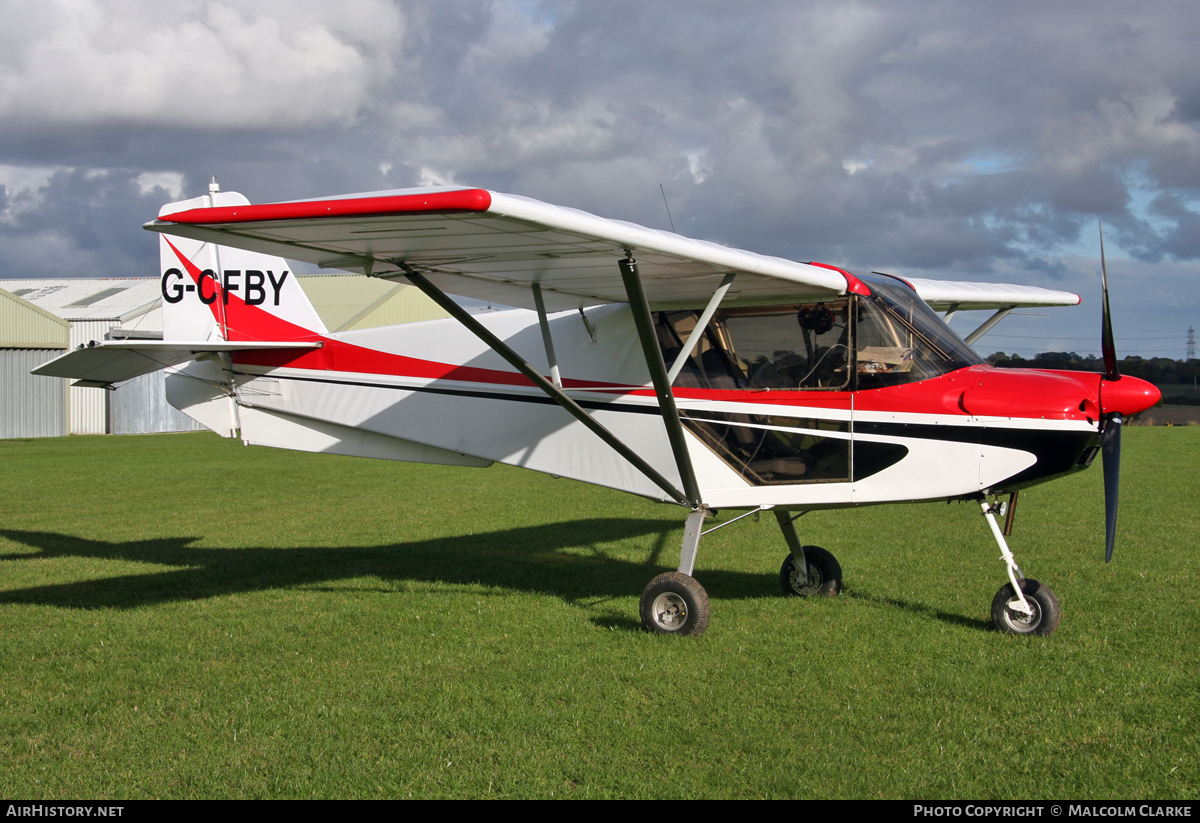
[[697, 164], [196, 64], [957, 138], [24, 178], [432, 177], [170, 181]]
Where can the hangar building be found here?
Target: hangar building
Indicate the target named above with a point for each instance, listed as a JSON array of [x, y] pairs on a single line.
[[30, 336], [82, 310]]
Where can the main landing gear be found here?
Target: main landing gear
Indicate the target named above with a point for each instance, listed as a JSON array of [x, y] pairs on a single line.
[[675, 603], [808, 570]]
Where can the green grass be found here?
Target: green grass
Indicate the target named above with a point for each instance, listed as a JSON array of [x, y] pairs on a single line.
[[184, 617]]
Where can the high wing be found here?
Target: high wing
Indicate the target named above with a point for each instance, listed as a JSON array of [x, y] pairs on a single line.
[[945, 295], [112, 361], [493, 246]]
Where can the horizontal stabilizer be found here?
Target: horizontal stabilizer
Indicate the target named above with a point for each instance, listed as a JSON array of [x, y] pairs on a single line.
[[111, 361]]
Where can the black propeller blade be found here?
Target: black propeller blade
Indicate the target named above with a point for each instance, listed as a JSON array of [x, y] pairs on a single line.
[[1110, 443], [1107, 346], [1110, 453]]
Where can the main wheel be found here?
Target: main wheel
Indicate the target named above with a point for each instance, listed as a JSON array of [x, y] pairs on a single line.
[[824, 574], [675, 603], [1046, 612]]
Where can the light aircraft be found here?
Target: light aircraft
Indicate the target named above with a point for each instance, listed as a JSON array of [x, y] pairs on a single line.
[[675, 369]]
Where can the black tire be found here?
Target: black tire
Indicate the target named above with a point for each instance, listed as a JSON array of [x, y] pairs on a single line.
[[675, 603], [824, 575], [1046, 611]]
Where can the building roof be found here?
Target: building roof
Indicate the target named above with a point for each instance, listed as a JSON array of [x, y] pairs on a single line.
[[116, 299]]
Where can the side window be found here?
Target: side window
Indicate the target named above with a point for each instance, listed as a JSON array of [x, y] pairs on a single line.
[[792, 347], [785, 348]]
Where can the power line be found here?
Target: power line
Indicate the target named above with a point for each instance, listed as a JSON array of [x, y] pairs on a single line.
[[1056, 337]]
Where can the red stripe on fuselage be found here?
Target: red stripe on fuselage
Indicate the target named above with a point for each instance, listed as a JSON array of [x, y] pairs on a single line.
[[977, 391]]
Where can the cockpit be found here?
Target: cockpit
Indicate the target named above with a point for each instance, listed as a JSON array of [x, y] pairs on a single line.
[[854, 342], [850, 343]]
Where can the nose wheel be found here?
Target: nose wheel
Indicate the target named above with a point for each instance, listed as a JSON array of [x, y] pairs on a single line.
[[1031, 609], [1041, 618]]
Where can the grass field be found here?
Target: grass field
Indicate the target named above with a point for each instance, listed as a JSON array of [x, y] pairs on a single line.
[[185, 617]]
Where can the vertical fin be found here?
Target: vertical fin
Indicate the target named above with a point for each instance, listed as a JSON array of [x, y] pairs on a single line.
[[217, 292]]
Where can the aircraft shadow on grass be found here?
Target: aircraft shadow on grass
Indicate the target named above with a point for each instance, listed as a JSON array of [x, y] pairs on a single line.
[[532, 558]]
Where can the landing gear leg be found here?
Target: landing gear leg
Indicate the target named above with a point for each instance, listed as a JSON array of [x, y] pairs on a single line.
[[808, 570], [1022, 606], [675, 603]]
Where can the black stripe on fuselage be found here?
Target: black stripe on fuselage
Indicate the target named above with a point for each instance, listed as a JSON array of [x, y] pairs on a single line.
[[542, 400], [1056, 452]]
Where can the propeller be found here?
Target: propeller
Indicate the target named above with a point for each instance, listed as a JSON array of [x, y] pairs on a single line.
[[1110, 440]]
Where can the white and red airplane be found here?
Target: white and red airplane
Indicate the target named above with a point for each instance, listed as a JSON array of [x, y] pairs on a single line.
[[675, 369]]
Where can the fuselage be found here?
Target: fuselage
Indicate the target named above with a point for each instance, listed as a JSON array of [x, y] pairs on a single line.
[[852, 401]]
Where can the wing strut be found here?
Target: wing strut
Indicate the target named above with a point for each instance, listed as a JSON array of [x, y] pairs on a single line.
[[701, 325], [986, 326], [547, 340], [658, 373], [497, 345]]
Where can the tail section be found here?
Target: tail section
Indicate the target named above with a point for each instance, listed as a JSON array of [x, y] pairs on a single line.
[[217, 293], [213, 292]]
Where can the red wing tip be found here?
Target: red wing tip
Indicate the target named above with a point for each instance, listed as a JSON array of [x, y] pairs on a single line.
[[442, 202]]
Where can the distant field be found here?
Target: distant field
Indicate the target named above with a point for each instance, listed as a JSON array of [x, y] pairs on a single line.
[[1165, 415], [185, 617], [1186, 389]]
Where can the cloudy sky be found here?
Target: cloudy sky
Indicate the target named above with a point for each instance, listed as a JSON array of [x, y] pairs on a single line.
[[953, 140]]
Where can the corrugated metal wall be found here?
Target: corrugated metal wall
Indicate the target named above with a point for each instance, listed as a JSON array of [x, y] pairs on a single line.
[[349, 301], [89, 407], [139, 406], [407, 304], [99, 411], [31, 406]]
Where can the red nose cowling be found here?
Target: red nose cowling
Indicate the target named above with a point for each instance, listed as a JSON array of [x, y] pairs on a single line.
[[1126, 396]]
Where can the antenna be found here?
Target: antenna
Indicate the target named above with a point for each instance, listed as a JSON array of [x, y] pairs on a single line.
[[664, 194]]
